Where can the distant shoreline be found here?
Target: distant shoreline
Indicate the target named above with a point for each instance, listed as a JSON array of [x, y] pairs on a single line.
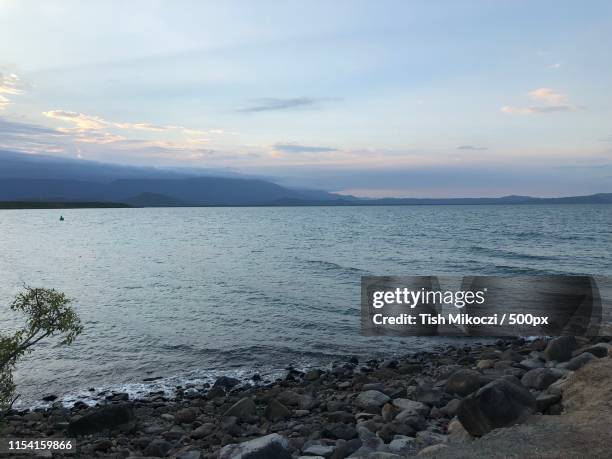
[[33, 205]]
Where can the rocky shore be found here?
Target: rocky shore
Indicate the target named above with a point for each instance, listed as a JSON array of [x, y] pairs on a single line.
[[511, 398]]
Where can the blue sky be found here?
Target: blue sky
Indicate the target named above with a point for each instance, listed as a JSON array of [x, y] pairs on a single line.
[[384, 98]]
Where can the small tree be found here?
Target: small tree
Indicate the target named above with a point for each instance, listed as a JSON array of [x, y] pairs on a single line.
[[48, 313]]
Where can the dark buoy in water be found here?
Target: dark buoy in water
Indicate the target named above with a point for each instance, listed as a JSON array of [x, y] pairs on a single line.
[[61, 218]]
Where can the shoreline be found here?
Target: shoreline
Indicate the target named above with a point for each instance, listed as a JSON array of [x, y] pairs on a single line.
[[396, 407]]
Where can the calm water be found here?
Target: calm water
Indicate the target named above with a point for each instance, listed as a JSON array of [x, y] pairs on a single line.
[[189, 294]]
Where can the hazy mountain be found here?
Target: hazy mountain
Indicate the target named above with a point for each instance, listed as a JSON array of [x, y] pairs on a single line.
[[51, 179], [47, 178]]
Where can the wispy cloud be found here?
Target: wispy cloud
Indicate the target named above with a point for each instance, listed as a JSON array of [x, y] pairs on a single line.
[[274, 104], [472, 147], [551, 102], [295, 148], [555, 66], [10, 84]]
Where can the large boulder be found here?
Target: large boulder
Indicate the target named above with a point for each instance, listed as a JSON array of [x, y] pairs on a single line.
[[371, 400], [578, 362], [500, 403], [463, 382], [226, 383], [560, 349], [275, 411], [242, 409], [541, 378], [273, 446], [107, 417]]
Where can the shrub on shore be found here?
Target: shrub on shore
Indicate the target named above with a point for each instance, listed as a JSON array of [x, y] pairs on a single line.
[[48, 313]]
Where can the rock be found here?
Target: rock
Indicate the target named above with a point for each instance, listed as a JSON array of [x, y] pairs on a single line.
[[107, 417], [185, 416], [306, 402], [275, 411], [346, 448], [484, 364], [340, 431], [190, 454], [404, 404], [433, 449], [273, 446], [173, 434], [560, 349], [530, 364], [429, 395], [49, 398], [289, 398], [158, 448], [215, 392], [373, 386], [578, 362], [167, 417], [203, 431], [428, 438], [371, 400], [226, 383], [511, 355], [500, 403], [545, 401], [457, 433], [242, 409], [541, 378], [450, 409], [103, 445], [320, 450], [414, 420], [463, 382], [403, 446], [312, 375], [599, 350], [388, 412], [340, 416]]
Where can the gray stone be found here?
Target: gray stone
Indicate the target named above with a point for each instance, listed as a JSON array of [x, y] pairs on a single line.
[[273, 446], [340, 431], [275, 411], [242, 409], [545, 401], [185, 416], [371, 400], [107, 417], [203, 431], [500, 403], [578, 362], [541, 378], [463, 382], [403, 446], [404, 404], [158, 448], [319, 450], [560, 349]]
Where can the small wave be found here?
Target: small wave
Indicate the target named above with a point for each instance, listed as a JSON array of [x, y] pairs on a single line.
[[331, 266], [509, 254]]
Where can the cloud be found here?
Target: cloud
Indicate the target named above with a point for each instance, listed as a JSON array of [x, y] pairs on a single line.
[[274, 104], [29, 138], [552, 101], [555, 66], [472, 147], [10, 84], [81, 121], [547, 95], [294, 148]]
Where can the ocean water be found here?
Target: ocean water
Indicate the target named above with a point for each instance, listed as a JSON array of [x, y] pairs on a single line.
[[189, 294]]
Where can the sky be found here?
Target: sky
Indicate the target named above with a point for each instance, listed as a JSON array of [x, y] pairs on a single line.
[[372, 98]]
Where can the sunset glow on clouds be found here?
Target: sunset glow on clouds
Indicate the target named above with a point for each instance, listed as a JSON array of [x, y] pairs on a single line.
[[384, 87]]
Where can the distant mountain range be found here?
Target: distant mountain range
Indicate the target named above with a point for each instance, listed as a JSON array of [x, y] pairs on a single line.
[[38, 178]]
